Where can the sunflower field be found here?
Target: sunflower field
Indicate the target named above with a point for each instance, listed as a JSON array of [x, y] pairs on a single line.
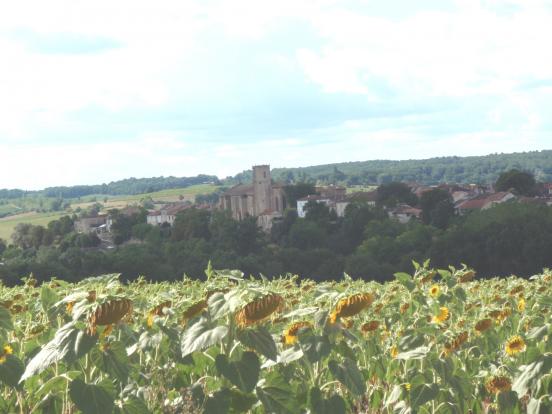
[[437, 341]]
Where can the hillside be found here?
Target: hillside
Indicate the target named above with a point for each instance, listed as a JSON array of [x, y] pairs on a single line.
[[478, 169]]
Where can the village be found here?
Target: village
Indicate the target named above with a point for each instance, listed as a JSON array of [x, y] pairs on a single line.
[[266, 200]]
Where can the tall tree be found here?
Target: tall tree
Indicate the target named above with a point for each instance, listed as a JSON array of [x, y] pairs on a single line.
[[521, 182], [437, 208]]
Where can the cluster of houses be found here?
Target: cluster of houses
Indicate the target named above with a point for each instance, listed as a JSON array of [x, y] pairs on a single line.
[[267, 201]]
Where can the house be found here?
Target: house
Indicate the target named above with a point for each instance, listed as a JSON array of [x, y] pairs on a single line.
[[484, 202], [302, 203], [166, 214], [368, 197], [404, 213], [262, 198], [87, 225], [127, 211], [332, 192]]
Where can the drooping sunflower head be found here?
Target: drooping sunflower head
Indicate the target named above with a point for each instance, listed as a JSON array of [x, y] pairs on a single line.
[[259, 309], [110, 312], [352, 305], [290, 335], [369, 326], [498, 383], [434, 290], [193, 310], [483, 325], [466, 276], [442, 316], [515, 345], [404, 307]]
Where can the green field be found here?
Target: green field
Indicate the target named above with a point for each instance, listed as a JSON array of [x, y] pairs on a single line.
[[7, 224], [173, 194]]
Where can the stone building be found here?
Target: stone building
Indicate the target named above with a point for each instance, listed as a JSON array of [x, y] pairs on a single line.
[[262, 198]]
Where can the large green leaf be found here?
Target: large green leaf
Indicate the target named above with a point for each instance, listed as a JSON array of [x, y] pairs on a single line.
[[423, 393], [201, 335], [287, 356], [218, 403], [134, 405], [56, 384], [53, 351], [244, 373], [5, 319], [315, 347], [508, 402], [221, 304], [319, 405], [113, 360], [260, 340], [277, 400], [349, 375], [47, 298], [530, 374], [417, 353], [405, 279], [541, 406], [11, 370], [92, 398]]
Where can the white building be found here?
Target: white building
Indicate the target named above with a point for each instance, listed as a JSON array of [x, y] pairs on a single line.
[[166, 214], [302, 203]]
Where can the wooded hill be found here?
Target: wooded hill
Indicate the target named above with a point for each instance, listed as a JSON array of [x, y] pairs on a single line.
[[478, 170]]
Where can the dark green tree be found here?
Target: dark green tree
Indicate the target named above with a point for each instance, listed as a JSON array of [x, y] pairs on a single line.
[[437, 208], [521, 182], [393, 193]]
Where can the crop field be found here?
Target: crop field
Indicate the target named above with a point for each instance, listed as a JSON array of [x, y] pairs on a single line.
[[437, 341]]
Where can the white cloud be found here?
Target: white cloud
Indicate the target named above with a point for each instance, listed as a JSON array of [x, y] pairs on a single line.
[[189, 58]]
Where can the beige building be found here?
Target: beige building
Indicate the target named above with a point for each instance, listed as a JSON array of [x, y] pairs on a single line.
[[262, 198]]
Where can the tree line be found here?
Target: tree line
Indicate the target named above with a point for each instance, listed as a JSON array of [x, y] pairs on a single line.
[[511, 238]]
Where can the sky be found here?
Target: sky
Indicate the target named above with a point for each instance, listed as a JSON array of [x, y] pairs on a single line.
[[96, 91]]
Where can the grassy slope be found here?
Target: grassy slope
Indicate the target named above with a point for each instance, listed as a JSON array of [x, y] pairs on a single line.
[[7, 224]]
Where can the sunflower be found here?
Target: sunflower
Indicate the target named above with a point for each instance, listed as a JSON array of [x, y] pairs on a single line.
[[369, 326], [394, 351], [483, 325], [69, 307], [194, 310], [444, 315], [259, 309], [6, 350], [110, 312], [404, 307], [466, 276], [516, 290], [521, 305], [157, 311], [290, 335], [352, 305], [514, 345], [434, 290], [498, 383]]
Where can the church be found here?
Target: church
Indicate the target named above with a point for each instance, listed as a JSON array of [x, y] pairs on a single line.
[[262, 198]]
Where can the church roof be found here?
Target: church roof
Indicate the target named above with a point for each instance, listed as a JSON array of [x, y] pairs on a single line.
[[239, 190]]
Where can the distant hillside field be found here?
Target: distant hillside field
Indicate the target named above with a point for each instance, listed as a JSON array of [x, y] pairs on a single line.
[[7, 224]]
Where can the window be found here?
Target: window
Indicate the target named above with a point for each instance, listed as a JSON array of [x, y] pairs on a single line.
[[264, 174]]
